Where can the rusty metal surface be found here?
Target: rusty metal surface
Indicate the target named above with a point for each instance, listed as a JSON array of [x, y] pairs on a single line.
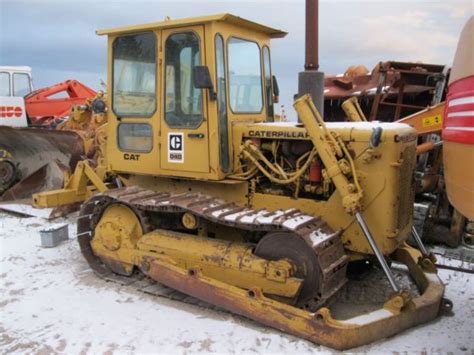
[[33, 150], [318, 327], [48, 177], [343, 87], [312, 35], [326, 245], [392, 90]]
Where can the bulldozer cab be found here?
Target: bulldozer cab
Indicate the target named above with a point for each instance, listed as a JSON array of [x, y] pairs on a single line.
[[178, 86]]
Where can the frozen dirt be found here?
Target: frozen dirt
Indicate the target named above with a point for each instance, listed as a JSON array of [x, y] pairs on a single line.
[[50, 302]]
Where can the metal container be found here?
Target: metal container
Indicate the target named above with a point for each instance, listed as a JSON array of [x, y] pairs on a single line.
[[54, 235]]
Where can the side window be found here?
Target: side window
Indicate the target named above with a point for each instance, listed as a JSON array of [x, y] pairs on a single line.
[[135, 137], [245, 76], [183, 100], [222, 104], [4, 84], [21, 84], [134, 75], [268, 82]]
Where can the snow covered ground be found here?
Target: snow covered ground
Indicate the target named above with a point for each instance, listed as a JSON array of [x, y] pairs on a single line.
[[50, 302]]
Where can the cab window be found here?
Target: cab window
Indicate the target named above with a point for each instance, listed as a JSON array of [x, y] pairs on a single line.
[[222, 104], [134, 75], [4, 84], [21, 84], [135, 137], [268, 82], [245, 76], [183, 107]]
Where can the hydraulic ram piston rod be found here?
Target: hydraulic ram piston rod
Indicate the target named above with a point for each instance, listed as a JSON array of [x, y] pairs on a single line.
[[418, 241], [377, 252]]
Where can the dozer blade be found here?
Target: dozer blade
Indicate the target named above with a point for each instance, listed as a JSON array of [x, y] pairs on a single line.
[[35, 160], [319, 327], [48, 177]]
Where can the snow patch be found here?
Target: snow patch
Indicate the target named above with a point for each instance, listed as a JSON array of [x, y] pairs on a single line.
[[369, 317], [318, 236], [50, 301]]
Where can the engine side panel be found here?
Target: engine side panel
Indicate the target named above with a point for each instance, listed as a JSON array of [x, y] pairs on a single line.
[[385, 174]]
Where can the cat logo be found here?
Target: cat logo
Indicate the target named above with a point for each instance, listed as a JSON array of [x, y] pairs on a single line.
[[175, 148], [127, 156], [176, 142]]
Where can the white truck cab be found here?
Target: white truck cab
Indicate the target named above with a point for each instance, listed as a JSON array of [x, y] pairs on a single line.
[[15, 84]]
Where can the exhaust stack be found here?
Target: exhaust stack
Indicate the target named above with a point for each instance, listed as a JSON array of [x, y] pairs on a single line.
[[311, 80]]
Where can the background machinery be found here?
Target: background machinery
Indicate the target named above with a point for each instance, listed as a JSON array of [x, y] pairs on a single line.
[[415, 94], [391, 91], [44, 132], [22, 106], [219, 202]]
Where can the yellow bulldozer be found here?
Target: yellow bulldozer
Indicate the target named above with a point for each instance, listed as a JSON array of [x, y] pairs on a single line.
[[208, 195]]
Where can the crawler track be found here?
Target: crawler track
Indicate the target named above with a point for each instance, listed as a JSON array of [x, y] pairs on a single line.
[[325, 243]]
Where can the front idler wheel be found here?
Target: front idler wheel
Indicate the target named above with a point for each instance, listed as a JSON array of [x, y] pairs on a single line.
[[287, 245]]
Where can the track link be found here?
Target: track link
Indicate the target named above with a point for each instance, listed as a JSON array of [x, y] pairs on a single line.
[[325, 243]]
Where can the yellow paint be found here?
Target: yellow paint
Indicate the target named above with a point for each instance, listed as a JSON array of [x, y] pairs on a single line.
[[81, 185], [384, 173], [397, 314], [355, 176], [429, 120], [201, 156], [433, 121], [180, 23], [119, 238]]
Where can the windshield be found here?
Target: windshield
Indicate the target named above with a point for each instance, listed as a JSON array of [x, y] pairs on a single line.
[[134, 75], [245, 76]]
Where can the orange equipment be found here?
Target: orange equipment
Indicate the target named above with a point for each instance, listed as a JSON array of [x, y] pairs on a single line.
[[44, 109]]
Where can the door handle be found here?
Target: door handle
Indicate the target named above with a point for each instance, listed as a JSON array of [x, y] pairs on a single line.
[[196, 135]]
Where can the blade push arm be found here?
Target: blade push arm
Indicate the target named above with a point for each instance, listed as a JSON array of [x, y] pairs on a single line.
[[339, 167], [333, 153]]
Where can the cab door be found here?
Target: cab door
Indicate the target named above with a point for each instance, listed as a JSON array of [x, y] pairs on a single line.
[[12, 103], [184, 136]]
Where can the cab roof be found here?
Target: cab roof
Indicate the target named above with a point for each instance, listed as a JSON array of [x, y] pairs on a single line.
[[16, 68], [228, 18]]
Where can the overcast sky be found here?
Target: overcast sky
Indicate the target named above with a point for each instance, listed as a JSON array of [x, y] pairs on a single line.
[[57, 38]]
